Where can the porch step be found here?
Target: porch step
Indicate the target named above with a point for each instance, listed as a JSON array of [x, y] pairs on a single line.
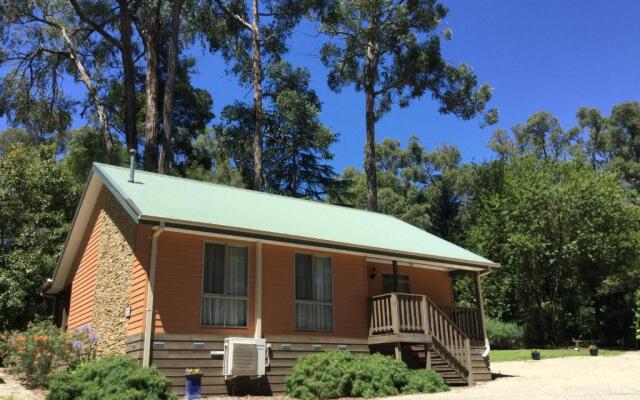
[[479, 366]]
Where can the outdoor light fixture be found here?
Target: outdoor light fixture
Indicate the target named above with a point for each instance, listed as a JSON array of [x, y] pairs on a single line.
[[373, 272]]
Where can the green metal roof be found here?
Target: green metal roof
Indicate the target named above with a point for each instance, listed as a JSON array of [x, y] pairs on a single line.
[[156, 197]]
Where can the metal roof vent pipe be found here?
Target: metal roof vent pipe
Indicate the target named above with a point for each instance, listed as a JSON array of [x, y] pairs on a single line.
[[132, 165]]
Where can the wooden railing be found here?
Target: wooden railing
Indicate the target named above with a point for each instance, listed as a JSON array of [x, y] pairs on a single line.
[[452, 339], [381, 322], [398, 313], [468, 319]]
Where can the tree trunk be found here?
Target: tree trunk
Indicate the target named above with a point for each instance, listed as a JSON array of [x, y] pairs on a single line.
[[152, 38], [130, 107], [93, 94], [257, 99], [164, 160], [370, 120]]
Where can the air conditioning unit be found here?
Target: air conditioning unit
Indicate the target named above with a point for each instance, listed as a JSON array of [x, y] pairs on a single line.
[[244, 357]]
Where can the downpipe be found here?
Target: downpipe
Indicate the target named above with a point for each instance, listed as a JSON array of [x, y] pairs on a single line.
[[487, 344]]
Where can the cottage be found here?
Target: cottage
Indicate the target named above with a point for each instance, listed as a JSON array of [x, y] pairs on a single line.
[[166, 269]]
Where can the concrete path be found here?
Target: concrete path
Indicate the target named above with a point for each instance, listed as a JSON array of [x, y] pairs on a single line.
[[571, 378]]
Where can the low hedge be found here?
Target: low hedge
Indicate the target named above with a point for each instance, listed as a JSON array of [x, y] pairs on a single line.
[[110, 378], [340, 374], [504, 335]]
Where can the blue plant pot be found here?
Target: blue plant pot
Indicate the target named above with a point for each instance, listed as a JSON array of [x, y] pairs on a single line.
[[192, 387]]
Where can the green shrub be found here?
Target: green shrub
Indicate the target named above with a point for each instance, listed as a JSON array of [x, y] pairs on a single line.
[[340, 374], [504, 335], [110, 378], [35, 351], [425, 381], [322, 375]]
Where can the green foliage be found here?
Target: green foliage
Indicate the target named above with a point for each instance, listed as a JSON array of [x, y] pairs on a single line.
[[421, 187], [115, 377], [567, 238], [38, 199], [320, 376], [504, 335], [296, 148], [405, 61], [86, 146], [340, 374], [34, 352]]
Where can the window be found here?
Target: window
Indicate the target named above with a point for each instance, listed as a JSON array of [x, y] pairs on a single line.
[[403, 283], [224, 286], [314, 297]]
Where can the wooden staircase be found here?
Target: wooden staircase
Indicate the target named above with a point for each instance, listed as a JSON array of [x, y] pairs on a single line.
[[424, 336], [414, 356]]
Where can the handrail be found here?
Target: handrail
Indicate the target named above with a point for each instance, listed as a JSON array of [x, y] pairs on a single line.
[[399, 313], [468, 319]]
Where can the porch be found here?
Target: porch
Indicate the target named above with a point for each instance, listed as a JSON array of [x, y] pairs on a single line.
[[424, 334], [428, 336]]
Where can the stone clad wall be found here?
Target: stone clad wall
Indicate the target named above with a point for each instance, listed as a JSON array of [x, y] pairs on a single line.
[[113, 277]]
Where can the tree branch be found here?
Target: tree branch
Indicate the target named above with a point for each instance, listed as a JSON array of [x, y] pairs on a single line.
[[97, 27], [235, 16]]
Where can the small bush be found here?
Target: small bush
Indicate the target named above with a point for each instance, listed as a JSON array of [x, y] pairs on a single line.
[[35, 351], [110, 378], [504, 335], [340, 374], [322, 375]]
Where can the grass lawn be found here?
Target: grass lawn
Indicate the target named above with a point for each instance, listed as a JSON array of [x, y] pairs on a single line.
[[525, 354]]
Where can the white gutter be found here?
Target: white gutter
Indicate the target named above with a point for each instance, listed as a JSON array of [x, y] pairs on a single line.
[[148, 325]]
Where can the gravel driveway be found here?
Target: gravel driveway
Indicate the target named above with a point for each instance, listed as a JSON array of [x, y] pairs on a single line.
[[615, 377]]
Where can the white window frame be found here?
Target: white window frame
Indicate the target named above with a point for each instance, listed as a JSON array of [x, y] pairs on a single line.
[[312, 302], [204, 295]]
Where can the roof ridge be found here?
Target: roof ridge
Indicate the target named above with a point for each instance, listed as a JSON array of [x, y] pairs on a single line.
[[315, 202]]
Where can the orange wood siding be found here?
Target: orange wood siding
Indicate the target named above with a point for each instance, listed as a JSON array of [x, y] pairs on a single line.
[[349, 293], [139, 277], [84, 278], [433, 283], [178, 287]]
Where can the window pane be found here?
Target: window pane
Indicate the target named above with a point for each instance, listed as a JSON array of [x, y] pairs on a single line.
[[213, 280], [212, 311], [324, 317], [322, 279], [235, 312], [236, 273], [403, 283], [304, 284], [304, 316]]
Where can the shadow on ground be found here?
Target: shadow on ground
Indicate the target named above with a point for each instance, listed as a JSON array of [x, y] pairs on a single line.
[[495, 376]]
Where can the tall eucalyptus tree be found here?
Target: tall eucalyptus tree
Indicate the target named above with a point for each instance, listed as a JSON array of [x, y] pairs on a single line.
[[390, 50]]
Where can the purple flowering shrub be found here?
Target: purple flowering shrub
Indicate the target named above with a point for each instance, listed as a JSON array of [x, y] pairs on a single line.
[[82, 345]]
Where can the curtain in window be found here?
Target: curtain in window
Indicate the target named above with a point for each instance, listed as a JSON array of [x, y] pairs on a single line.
[[314, 296], [224, 300], [213, 268]]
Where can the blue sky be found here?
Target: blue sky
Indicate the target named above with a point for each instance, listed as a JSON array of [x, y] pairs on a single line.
[[554, 55], [538, 55]]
